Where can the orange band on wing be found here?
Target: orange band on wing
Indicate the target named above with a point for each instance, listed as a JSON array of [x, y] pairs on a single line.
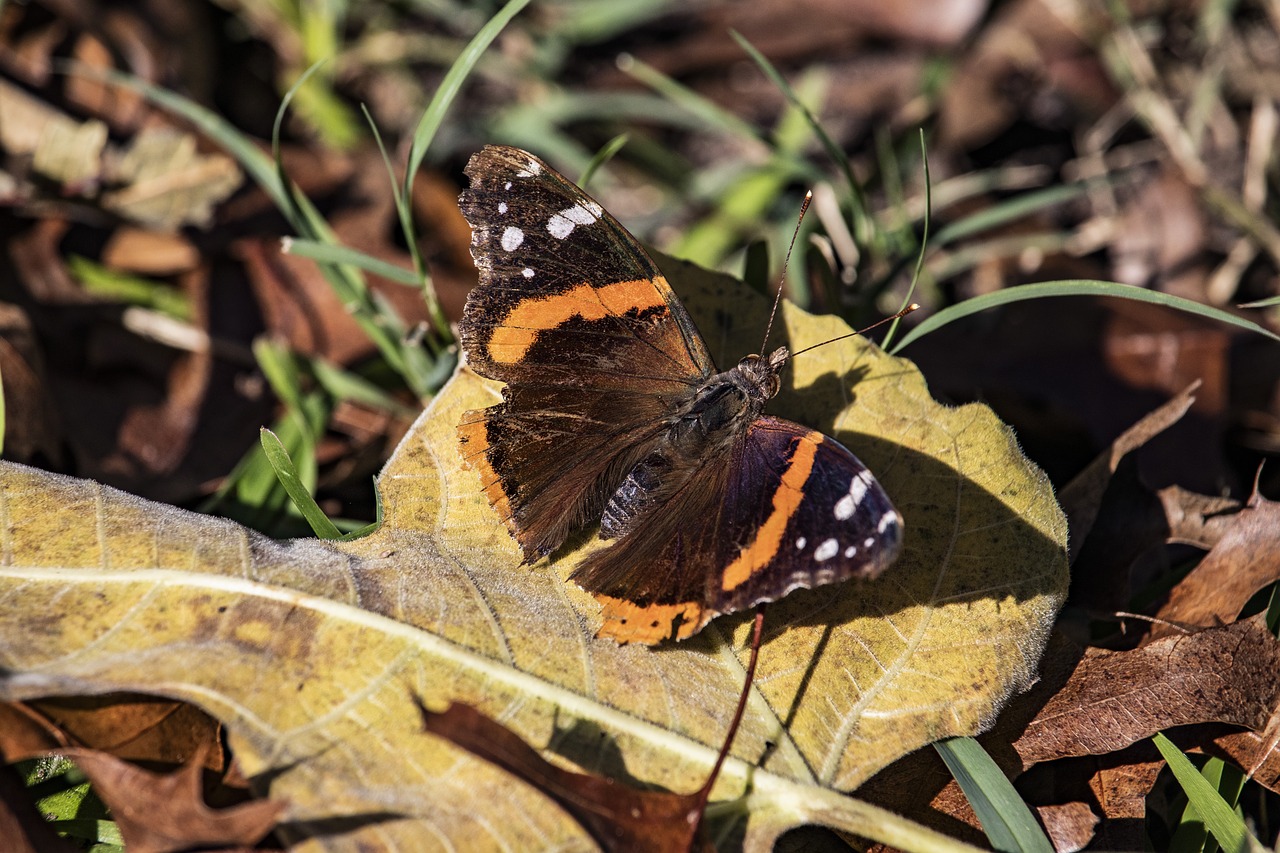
[[473, 434], [628, 622], [519, 330], [786, 500]]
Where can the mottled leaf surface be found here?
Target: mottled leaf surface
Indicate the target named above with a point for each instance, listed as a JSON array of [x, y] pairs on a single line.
[[311, 652]]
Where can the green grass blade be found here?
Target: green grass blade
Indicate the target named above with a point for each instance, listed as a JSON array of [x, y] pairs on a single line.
[[298, 493], [924, 241], [301, 214], [304, 219], [283, 374], [423, 134], [434, 114], [710, 115], [604, 155], [1073, 288], [334, 253], [107, 283], [1005, 818], [861, 223], [103, 834], [1192, 834], [1262, 303], [1009, 211], [1221, 819], [344, 385]]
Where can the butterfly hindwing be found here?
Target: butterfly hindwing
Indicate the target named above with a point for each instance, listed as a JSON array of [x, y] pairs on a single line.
[[742, 531]]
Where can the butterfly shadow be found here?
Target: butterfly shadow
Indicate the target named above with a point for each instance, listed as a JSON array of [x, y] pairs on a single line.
[[968, 552]]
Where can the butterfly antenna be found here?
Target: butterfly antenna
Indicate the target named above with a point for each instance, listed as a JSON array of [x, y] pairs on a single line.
[[904, 312], [704, 793], [782, 286]]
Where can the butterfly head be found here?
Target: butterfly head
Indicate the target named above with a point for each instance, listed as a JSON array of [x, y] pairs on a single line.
[[760, 374]]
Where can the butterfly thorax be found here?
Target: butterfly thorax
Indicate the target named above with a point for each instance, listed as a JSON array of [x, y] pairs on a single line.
[[702, 431]]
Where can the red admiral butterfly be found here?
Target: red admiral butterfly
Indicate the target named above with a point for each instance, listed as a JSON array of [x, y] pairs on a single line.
[[613, 412]]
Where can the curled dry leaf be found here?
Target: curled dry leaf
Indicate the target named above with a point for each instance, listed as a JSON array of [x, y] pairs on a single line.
[[1196, 519], [617, 816], [1244, 561], [160, 812], [136, 728], [310, 652]]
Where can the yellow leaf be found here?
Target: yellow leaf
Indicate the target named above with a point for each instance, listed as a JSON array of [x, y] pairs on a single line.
[[310, 651]]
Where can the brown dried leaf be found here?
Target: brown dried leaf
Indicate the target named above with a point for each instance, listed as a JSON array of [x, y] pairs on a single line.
[[617, 817], [1196, 519], [25, 733], [149, 252], [1070, 826], [1121, 792], [31, 428], [168, 183], [159, 812], [1161, 229], [1257, 752], [135, 727], [1116, 698], [61, 149], [1245, 561]]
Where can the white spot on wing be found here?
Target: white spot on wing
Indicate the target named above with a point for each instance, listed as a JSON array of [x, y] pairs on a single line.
[[561, 224], [507, 185], [512, 238], [890, 519], [826, 550], [846, 506], [800, 543], [870, 540], [850, 551], [526, 272], [502, 207]]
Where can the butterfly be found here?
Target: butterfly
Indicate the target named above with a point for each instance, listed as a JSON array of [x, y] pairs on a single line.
[[613, 413]]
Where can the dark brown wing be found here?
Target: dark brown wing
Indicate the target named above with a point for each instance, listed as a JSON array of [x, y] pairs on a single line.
[[567, 297], [786, 507], [594, 346]]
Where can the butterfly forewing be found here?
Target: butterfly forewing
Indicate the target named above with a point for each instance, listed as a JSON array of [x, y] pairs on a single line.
[[593, 345], [566, 295]]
